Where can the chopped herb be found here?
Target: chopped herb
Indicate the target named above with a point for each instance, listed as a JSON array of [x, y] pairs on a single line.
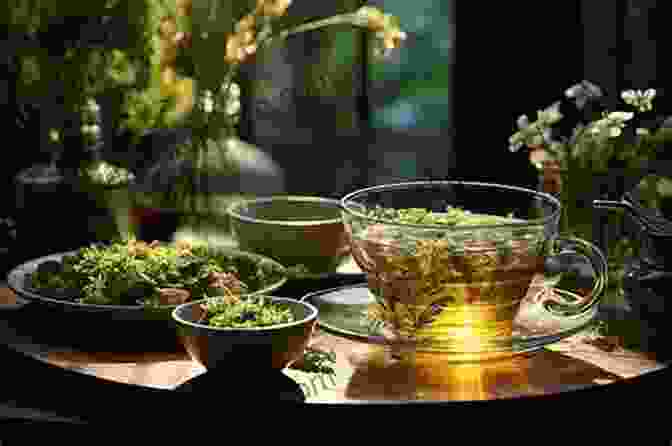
[[318, 361], [124, 273], [246, 313]]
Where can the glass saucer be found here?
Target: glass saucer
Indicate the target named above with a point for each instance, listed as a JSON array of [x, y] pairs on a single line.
[[342, 311]]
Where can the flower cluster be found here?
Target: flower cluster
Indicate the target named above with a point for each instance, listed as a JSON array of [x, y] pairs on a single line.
[[91, 121], [242, 43], [581, 130], [106, 174], [538, 132], [643, 101], [195, 79], [386, 28], [611, 125], [251, 33]]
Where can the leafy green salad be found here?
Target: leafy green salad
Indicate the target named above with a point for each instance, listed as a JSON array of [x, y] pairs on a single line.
[[134, 272]]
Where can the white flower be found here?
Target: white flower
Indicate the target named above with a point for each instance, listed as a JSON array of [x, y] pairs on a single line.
[[207, 102], [582, 92], [231, 99], [516, 142], [549, 116], [619, 117], [91, 130], [92, 106], [642, 132], [523, 122], [611, 124], [641, 100], [54, 135], [629, 96], [232, 106], [94, 130], [234, 90], [613, 132]]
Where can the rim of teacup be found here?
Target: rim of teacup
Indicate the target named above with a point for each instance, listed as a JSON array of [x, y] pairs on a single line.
[[312, 316], [233, 210], [348, 200]]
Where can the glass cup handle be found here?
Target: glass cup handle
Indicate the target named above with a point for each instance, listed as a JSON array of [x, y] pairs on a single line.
[[565, 303]]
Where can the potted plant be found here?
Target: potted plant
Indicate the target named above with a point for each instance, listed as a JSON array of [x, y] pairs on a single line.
[[587, 146], [68, 56]]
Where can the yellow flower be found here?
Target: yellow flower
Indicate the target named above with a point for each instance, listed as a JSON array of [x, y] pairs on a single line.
[[183, 248], [247, 23], [273, 8], [184, 8], [184, 93], [168, 81], [239, 46], [168, 52], [375, 18], [392, 38], [168, 28]]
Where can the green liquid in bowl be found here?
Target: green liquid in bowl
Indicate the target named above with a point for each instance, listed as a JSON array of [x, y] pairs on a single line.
[[296, 231]]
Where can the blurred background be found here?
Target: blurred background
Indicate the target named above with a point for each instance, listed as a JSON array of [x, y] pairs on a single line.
[[397, 120]]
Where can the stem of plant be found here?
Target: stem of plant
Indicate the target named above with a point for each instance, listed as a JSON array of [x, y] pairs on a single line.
[[311, 26]]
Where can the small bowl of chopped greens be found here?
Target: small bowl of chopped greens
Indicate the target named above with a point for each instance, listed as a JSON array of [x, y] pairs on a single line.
[[247, 331], [450, 262]]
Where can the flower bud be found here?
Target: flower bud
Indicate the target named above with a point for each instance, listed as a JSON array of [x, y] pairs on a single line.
[[184, 92], [628, 96], [94, 130], [392, 38], [234, 90], [168, 81], [168, 28], [183, 40], [232, 106], [239, 46], [168, 52], [184, 8], [247, 23], [374, 17], [208, 103], [273, 8], [92, 106]]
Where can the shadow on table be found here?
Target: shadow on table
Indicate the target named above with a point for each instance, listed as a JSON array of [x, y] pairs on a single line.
[[39, 327]]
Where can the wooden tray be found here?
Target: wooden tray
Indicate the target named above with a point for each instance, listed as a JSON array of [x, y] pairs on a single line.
[[574, 363]]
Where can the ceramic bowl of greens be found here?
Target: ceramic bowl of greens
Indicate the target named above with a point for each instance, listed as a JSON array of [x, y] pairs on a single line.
[[249, 331], [304, 233], [449, 262], [139, 280]]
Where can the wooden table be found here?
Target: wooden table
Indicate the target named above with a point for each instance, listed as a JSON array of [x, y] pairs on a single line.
[[574, 363]]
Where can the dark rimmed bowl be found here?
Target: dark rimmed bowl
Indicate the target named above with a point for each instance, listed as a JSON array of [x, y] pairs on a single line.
[[294, 230], [19, 280], [272, 347]]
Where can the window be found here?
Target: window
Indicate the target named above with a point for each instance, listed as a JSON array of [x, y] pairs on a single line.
[[409, 95]]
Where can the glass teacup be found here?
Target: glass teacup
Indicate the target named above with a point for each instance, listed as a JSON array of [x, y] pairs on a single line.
[[449, 262]]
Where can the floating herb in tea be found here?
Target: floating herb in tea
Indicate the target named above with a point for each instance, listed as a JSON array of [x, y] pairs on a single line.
[[424, 275]]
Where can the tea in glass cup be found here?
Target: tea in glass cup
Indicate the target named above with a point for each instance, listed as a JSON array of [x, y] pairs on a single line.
[[450, 262]]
